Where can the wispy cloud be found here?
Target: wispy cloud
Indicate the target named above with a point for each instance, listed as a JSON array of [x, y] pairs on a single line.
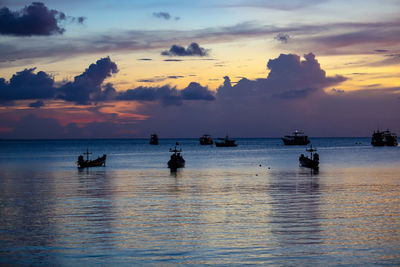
[[324, 38]]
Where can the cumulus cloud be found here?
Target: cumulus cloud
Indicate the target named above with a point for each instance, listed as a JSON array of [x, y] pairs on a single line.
[[195, 91], [89, 82], [27, 85], [89, 87], [289, 77], [192, 50], [291, 96], [35, 19]]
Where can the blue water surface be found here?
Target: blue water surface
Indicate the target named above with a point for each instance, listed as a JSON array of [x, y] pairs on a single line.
[[250, 204]]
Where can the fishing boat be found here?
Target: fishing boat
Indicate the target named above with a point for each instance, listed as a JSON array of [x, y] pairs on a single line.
[[82, 163], [296, 139], [310, 162], [153, 139], [226, 142], [206, 140], [176, 160], [384, 138]]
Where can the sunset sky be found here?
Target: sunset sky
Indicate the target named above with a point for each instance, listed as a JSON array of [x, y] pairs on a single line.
[[249, 68]]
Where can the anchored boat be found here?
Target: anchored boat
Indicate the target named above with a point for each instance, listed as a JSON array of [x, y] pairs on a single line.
[[82, 163], [226, 142], [297, 139], [206, 140], [153, 139], [176, 161], [310, 162], [384, 138]]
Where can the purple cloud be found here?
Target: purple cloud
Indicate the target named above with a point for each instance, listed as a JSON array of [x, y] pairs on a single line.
[[27, 85], [35, 19], [291, 96], [192, 50], [89, 82]]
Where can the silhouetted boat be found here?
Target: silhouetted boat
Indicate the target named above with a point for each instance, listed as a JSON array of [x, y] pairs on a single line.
[[384, 138], [297, 139], [82, 163], [310, 162], [226, 142], [176, 160], [206, 140], [153, 139]]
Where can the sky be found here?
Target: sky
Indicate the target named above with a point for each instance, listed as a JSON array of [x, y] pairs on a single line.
[[247, 68]]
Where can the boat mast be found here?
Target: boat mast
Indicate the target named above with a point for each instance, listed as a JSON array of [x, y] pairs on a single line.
[[87, 154]]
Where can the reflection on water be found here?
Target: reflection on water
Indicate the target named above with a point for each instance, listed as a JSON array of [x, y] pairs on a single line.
[[236, 215], [199, 217]]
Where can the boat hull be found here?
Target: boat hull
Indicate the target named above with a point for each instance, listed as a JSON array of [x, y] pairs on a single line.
[[174, 164], [308, 163], [296, 141], [384, 139], [99, 162]]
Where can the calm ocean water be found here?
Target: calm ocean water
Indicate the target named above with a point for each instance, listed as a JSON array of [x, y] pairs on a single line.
[[222, 209]]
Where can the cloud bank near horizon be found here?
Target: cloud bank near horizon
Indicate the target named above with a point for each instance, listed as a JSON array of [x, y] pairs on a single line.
[[292, 96]]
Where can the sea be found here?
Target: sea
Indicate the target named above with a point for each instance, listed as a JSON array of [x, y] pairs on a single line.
[[245, 205]]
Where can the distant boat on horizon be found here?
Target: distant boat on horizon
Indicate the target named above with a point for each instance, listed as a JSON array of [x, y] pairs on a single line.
[[206, 139], [154, 139], [384, 138], [297, 139], [226, 142]]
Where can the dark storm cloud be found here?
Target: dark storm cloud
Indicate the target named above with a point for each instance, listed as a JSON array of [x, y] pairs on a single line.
[[162, 15], [89, 82], [37, 104], [168, 95], [192, 50], [27, 85], [35, 19]]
